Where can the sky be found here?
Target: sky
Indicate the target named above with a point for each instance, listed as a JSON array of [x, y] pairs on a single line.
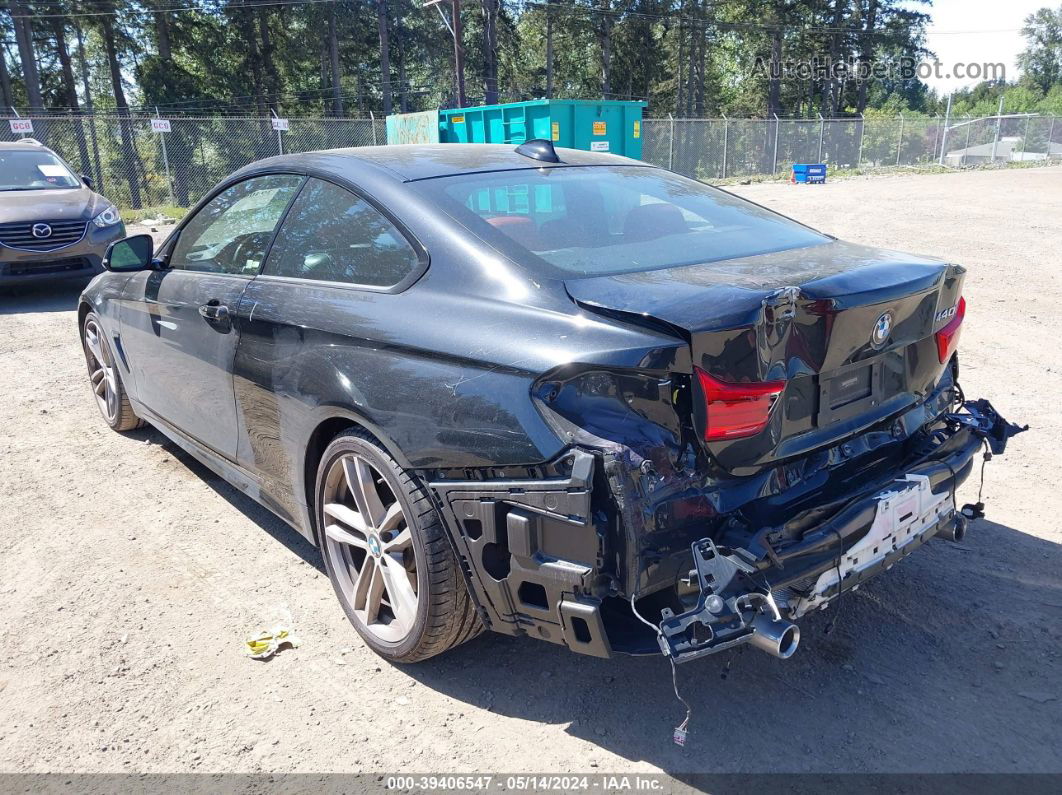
[[978, 31]]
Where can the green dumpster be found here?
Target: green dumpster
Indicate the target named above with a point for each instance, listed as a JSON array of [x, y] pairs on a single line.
[[594, 125]]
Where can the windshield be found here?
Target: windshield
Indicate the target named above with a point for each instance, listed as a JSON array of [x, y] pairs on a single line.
[[22, 170], [597, 221]]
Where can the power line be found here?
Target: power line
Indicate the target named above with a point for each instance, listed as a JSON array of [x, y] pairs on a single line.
[[214, 9], [554, 8]]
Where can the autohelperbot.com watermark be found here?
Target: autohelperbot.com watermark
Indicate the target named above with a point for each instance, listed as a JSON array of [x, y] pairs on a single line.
[[902, 68]]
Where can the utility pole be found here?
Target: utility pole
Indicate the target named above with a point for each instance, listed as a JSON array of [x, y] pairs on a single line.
[[549, 51], [459, 54], [459, 50]]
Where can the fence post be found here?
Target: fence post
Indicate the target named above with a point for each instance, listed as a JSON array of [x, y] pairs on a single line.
[[280, 141], [1025, 137], [969, 129], [900, 141], [726, 141], [822, 133], [947, 127], [774, 167], [862, 129], [999, 125], [671, 145], [98, 170], [372, 121], [21, 134], [165, 161], [1050, 137]]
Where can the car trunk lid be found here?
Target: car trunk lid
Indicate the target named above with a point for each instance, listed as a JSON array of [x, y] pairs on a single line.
[[849, 329]]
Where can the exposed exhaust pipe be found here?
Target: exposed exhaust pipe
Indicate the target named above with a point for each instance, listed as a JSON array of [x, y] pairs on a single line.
[[776, 637], [955, 530]]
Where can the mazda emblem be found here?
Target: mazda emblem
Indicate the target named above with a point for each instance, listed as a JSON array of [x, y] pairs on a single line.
[[41, 231]]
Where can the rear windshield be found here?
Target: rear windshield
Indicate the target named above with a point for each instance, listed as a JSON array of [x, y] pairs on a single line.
[[596, 221], [22, 170]]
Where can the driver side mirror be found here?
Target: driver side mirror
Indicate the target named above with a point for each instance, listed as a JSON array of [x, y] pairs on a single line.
[[131, 254], [87, 180]]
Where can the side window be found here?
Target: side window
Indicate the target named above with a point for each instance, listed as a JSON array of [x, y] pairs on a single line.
[[231, 233], [334, 236]]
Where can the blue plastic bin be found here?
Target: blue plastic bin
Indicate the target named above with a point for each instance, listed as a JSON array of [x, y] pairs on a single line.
[[809, 173]]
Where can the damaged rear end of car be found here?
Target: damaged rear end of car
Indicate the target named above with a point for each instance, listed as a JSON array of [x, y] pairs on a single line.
[[805, 431]]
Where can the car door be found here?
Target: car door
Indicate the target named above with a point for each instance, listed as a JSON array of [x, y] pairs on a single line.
[[178, 324], [317, 329]]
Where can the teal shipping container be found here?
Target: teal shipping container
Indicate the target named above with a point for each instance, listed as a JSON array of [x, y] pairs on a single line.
[[593, 125]]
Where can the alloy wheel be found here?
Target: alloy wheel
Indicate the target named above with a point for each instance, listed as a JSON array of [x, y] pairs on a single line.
[[370, 548], [101, 370]]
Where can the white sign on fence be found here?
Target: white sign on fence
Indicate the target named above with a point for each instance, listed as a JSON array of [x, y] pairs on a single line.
[[280, 125], [21, 126], [160, 125]]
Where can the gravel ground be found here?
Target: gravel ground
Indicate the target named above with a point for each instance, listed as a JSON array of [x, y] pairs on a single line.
[[130, 575]]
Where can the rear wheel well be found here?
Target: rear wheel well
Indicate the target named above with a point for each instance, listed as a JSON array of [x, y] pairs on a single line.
[[321, 437]]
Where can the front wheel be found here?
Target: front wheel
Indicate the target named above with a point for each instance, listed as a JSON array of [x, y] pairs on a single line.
[[387, 554], [107, 386]]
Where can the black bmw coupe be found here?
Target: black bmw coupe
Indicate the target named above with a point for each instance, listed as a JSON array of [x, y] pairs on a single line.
[[548, 392]]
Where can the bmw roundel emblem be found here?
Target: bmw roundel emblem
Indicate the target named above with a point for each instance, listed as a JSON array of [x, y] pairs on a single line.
[[882, 329], [41, 231]]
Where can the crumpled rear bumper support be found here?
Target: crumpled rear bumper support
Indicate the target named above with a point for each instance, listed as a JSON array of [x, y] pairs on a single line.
[[748, 595]]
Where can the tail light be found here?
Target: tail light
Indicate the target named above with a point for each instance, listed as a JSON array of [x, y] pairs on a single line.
[[948, 337], [736, 410]]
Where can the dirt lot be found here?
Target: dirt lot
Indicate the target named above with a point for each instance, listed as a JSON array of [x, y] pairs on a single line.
[[129, 576]]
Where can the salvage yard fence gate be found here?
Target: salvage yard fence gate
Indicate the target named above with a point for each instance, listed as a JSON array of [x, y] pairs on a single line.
[[145, 161]]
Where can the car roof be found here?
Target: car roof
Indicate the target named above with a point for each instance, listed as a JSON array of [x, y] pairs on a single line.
[[409, 162], [27, 144]]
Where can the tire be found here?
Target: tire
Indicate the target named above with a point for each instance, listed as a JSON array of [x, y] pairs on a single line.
[[368, 560], [111, 398]]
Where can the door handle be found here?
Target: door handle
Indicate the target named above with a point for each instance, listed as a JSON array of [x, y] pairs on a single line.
[[214, 312]]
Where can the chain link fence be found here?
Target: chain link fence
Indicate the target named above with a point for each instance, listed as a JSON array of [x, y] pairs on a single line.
[[721, 148], [136, 166]]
